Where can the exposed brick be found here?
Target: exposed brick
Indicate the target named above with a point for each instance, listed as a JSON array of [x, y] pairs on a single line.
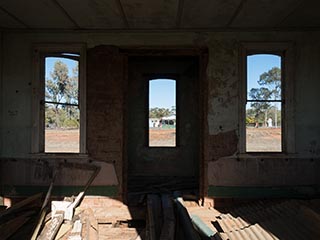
[[105, 98], [222, 144]]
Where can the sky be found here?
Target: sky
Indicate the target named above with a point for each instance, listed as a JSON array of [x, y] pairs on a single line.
[[162, 92], [50, 63], [258, 64]]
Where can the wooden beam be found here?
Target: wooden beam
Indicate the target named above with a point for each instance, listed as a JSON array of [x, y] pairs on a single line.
[[51, 229], [10, 227], [123, 15], [236, 13], [179, 13], [168, 227], [14, 17], [154, 216], [20, 205], [64, 11], [291, 10]]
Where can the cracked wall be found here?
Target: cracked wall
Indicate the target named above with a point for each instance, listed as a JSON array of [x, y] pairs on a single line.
[[222, 164]]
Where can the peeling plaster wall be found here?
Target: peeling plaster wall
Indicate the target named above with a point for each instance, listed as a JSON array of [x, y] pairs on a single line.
[[223, 86], [307, 99], [223, 166]]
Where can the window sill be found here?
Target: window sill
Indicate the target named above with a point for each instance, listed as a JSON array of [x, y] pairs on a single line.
[[266, 155], [60, 156]]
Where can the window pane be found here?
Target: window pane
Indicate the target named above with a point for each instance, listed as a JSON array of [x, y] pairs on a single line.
[[264, 77], [162, 113], [61, 80], [263, 133], [263, 115], [62, 122], [62, 128]]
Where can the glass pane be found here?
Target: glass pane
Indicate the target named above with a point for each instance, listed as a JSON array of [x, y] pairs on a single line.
[[263, 127], [62, 128], [62, 77], [264, 77], [162, 113]]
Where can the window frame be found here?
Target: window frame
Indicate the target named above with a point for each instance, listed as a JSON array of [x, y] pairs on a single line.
[[151, 77], [40, 52], [285, 51]]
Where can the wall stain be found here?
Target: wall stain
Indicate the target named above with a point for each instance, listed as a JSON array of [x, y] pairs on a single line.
[[222, 145]]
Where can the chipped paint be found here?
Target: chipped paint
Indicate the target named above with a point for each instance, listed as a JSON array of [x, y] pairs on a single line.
[[223, 87]]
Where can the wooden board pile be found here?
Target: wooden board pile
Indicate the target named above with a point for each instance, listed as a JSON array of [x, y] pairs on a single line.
[[17, 221], [63, 220]]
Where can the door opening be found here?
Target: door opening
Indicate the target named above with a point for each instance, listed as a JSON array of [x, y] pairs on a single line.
[[174, 164]]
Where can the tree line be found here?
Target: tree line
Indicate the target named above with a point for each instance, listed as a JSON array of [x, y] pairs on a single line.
[[161, 112]]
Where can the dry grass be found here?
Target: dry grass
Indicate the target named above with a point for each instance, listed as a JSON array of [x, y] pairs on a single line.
[[263, 139], [57, 140], [258, 139]]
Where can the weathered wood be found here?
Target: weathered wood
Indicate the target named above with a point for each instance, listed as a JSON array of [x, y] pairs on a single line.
[[10, 227], [168, 227], [185, 220], [76, 231], [51, 229], [44, 209], [203, 229], [20, 205], [64, 229], [154, 216], [90, 225]]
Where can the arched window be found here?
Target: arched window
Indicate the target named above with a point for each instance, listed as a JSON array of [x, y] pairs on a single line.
[[162, 112]]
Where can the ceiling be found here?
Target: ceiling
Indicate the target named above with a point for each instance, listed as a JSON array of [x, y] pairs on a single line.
[[159, 14]]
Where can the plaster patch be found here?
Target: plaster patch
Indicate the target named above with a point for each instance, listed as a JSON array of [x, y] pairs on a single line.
[[223, 87]]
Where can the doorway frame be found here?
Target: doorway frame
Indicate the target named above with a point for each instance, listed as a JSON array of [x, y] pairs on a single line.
[[202, 54]]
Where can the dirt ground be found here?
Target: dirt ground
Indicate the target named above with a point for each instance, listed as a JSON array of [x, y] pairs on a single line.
[[258, 139], [162, 137], [62, 140], [263, 139]]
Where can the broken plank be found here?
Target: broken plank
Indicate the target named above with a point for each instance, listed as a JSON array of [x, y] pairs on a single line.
[[168, 227], [184, 220], [76, 231], [10, 227], [154, 216], [203, 228], [20, 205], [64, 229], [90, 225], [51, 229]]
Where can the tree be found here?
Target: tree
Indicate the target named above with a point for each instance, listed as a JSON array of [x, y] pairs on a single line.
[[61, 88], [159, 112], [270, 89], [272, 80]]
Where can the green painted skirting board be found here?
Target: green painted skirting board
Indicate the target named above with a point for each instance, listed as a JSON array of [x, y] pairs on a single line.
[[21, 190], [263, 192]]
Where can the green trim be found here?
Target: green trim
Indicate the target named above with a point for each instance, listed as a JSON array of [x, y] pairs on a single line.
[[22, 190], [263, 192]]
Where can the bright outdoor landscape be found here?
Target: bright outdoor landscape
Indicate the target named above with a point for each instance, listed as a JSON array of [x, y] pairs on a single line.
[[62, 115], [162, 113], [264, 98], [263, 108]]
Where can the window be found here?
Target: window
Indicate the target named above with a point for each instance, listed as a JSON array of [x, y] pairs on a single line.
[[59, 100], [162, 113], [264, 103], [266, 122]]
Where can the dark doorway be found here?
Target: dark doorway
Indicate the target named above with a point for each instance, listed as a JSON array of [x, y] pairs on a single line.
[[163, 168]]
